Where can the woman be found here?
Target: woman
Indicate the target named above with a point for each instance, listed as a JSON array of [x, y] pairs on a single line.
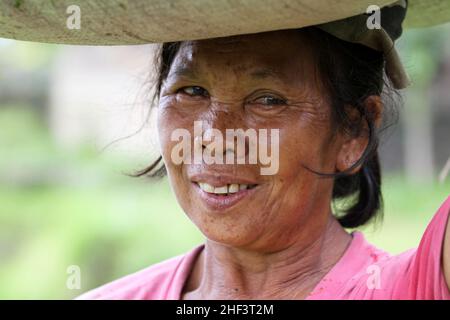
[[275, 236]]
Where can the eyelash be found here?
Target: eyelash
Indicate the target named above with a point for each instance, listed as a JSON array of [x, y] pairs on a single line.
[[182, 90], [279, 101]]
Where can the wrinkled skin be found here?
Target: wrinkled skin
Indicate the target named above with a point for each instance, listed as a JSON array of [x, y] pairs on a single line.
[[280, 241]]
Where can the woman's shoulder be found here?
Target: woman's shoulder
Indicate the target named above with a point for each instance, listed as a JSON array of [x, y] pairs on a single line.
[[367, 272], [163, 280], [418, 273]]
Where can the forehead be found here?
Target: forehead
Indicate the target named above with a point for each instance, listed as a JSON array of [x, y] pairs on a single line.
[[286, 53]]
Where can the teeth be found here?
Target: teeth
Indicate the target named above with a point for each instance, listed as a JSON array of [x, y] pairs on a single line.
[[233, 188], [229, 188], [206, 187], [221, 190]]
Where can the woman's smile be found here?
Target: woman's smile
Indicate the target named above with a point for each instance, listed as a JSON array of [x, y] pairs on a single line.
[[220, 192], [224, 197]]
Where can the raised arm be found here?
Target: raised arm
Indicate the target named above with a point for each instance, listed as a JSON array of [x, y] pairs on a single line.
[[446, 253]]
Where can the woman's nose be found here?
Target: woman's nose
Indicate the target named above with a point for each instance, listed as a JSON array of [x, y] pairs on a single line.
[[214, 134], [223, 116], [226, 135]]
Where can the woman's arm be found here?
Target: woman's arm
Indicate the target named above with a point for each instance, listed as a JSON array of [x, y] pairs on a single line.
[[446, 252]]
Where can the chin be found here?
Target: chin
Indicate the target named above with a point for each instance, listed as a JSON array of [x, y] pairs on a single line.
[[230, 232]]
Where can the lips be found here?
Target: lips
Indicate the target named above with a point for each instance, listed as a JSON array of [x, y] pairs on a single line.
[[220, 192]]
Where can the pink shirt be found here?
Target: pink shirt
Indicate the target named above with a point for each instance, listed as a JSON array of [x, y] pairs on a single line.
[[363, 272]]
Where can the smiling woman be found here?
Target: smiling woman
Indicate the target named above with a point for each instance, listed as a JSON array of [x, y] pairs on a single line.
[[314, 91], [325, 81], [275, 236]]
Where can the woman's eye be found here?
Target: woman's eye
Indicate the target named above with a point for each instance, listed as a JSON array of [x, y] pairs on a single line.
[[194, 91], [270, 101]]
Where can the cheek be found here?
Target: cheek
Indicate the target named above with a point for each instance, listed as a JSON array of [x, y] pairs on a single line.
[[302, 147], [165, 130], [169, 120], [295, 189]]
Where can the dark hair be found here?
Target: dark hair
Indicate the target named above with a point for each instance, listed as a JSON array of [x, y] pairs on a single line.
[[350, 72]]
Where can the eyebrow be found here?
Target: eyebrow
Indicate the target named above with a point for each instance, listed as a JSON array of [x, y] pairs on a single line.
[[266, 73], [270, 74], [258, 74], [182, 71]]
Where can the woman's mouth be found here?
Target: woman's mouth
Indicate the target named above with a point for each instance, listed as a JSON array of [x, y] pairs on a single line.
[[226, 189], [220, 198]]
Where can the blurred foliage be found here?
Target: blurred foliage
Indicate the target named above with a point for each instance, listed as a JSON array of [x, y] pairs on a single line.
[[421, 50], [62, 208], [26, 55]]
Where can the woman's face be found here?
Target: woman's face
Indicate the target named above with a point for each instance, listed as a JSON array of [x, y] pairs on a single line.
[[260, 81]]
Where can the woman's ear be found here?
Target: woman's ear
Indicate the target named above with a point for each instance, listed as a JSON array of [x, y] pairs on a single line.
[[350, 152], [374, 108], [353, 146]]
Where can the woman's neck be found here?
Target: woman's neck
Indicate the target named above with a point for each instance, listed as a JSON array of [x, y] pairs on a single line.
[[222, 272]]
